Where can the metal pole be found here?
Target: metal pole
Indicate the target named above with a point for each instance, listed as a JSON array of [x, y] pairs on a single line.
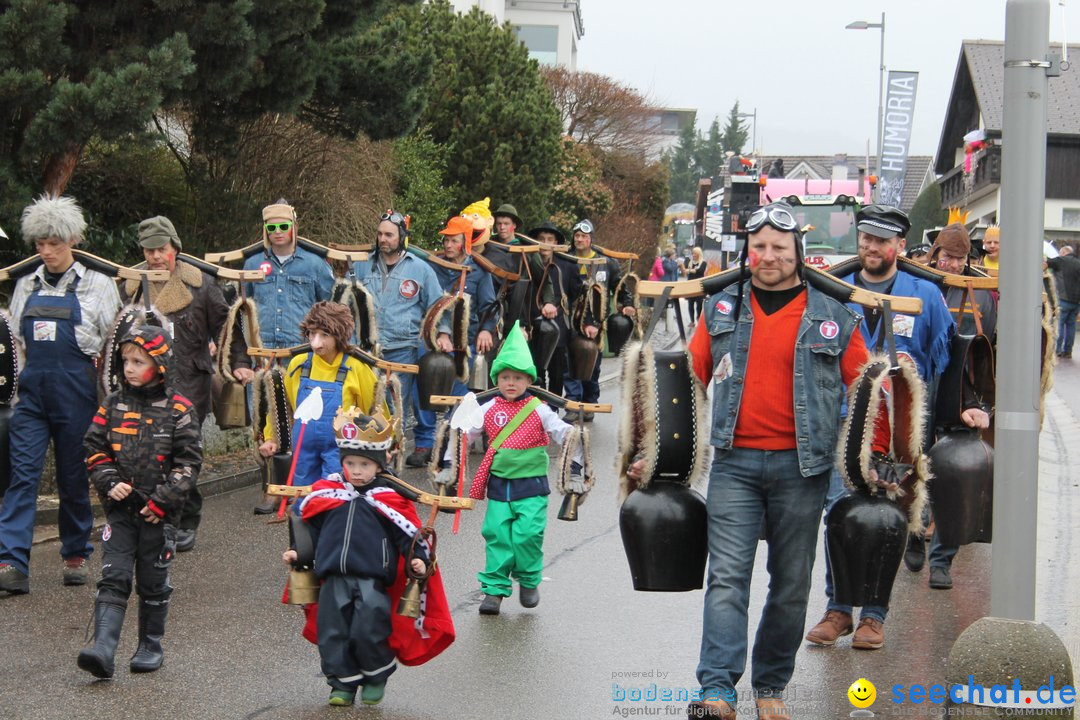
[[1023, 179], [880, 103]]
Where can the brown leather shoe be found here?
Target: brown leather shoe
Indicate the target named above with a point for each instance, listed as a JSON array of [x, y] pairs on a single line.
[[710, 709], [870, 635], [834, 625], [773, 709]]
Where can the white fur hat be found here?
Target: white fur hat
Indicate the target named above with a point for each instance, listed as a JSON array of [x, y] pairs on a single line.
[[58, 217]]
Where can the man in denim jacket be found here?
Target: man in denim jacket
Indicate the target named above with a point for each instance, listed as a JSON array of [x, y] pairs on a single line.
[[777, 352], [295, 279], [404, 288]]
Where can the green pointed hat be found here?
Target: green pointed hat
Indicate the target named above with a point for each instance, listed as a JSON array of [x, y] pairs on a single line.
[[514, 355]]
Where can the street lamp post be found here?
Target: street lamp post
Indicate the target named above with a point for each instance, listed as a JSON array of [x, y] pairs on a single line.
[[753, 137], [863, 25]]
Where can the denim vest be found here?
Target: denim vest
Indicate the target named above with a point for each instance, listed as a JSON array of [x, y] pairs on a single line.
[[818, 386], [402, 296], [287, 293]]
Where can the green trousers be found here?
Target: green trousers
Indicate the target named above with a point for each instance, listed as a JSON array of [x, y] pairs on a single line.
[[514, 536]]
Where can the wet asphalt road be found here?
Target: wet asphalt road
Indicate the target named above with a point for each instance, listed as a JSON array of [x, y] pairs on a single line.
[[234, 651]]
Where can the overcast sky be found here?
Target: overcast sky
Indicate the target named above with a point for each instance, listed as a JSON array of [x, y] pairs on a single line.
[[814, 83]]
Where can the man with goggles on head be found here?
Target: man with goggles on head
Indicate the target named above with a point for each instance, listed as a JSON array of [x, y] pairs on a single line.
[[925, 339], [404, 287], [295, 278], [778, 352]]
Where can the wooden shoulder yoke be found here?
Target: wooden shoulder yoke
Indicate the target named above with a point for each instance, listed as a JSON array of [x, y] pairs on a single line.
[[322, 251], [30, 264], [440, 501]]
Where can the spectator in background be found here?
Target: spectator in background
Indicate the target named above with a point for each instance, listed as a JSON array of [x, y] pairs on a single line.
[[695, 270], [1066, 270], [991, 247]]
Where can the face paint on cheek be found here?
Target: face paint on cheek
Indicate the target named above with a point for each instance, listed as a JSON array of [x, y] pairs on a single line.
[[149, 375], [890, 254], [752, 259]]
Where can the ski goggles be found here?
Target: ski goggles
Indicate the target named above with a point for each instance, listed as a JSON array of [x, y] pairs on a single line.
[[583, 226], [779, 216], [274, 227]]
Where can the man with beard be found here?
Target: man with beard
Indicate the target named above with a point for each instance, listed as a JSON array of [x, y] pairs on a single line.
[[925, 339], [194, 304], [404, 288]]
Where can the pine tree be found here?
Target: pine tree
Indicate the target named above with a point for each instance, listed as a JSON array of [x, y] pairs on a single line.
[[735, 132], [683, 170], [926, 213], [710, 152], [488, 102]]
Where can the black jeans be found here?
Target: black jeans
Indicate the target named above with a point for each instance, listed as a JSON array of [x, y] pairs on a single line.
[[133, 548]]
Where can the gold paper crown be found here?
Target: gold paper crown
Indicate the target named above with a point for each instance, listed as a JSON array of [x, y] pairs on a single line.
[[956, 215], [356, 431]]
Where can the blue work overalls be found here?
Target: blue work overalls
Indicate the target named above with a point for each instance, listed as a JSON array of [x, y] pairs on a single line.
[[319, 456], [57, 400]]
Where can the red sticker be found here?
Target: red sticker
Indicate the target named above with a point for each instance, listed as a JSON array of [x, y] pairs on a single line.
[[266, 268], [829, 329], [723, 307], [106, 533], [349, 431], [408, 288]]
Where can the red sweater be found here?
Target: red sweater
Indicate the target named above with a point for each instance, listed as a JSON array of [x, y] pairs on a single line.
[[767, 413]]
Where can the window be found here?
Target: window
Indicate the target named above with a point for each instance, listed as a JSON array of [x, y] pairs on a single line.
[[1070, 217], [542, 42]]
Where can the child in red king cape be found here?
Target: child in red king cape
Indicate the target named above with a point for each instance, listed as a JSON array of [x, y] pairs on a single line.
[[362, 530]]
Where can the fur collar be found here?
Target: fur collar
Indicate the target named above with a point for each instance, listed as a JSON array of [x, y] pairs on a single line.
[[174, 294]]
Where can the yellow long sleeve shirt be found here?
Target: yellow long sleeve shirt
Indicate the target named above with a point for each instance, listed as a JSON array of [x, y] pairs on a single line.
[[359, 388]]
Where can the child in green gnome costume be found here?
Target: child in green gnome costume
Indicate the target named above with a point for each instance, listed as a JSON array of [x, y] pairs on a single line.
[[514, 477]]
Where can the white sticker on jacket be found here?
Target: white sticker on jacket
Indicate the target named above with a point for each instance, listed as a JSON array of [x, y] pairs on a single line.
[[44, 331], [724, 368], [903, 325]]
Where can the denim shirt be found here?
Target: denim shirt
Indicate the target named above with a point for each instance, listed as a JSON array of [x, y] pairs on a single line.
[[818, 381], [402, 296], [481, 292], [287, 293]]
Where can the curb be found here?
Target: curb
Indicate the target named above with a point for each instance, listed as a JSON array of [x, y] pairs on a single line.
[[209, 487]]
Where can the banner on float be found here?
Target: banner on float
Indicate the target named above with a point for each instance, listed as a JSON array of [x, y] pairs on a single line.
[[896, 135]]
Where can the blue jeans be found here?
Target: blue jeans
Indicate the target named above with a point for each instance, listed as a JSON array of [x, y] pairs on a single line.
[[1066, 326], [940, 555], [745, 487], [426, 420], [587, 391], [837, 490]]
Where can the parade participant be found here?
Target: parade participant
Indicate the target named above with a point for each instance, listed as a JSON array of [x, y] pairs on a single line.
[[361, 529], [514, 477], [992, 247], [950, 253], [483, 310], [194, 304], [565, 284], [295, 278], [404, 288], [608, 277], [142, 478], [695, 270], [343, 381], [919, 254], [1066, 270], [882, 232], [507, 224], [61, 313], [764, 472]]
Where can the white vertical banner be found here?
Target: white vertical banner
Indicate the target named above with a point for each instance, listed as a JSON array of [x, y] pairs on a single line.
[[896, 135]]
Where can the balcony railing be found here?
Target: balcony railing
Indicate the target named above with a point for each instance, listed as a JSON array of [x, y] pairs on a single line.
[[958, 190]]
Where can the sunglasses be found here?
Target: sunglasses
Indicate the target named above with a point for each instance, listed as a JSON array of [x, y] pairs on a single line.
[[283, 227], [775, 215]]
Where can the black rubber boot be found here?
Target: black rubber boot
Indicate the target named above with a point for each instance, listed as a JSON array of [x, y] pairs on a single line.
[[108, 620], [148, 656]]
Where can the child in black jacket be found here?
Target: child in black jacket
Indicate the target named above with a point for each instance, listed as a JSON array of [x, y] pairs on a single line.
[[144, 451]]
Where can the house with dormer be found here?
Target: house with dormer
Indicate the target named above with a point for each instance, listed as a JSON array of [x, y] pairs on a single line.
[[971, 169]]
